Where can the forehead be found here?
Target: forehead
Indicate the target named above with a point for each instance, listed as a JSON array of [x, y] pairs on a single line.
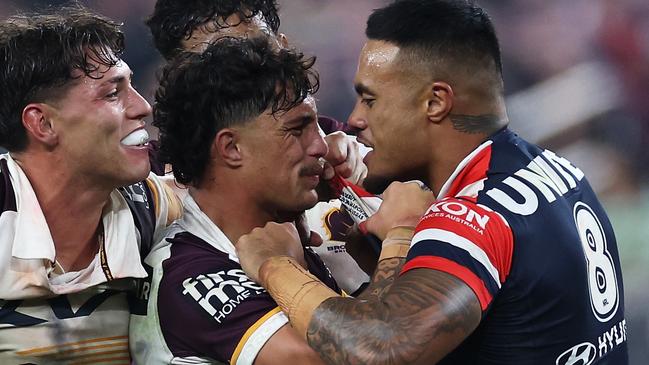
[[377, 60], [305, 109], [104, 76]]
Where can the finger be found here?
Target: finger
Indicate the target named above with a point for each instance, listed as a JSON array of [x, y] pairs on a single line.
[[303, 230], [344, 170], [362, 226], [337, 144], [315, 239], [328, 172]]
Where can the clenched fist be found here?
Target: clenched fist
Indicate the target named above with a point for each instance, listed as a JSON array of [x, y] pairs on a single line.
[[274, 239], [403, 206]]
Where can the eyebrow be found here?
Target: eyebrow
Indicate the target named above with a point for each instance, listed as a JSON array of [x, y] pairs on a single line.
[[118, 79], [303, 119], [362, 89]]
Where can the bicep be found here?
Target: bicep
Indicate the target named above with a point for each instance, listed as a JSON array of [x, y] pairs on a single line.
[[434, 312], [287, 347], [424, 316]]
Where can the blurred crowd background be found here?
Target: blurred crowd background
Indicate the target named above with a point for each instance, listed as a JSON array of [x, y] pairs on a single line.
[[576, 77]]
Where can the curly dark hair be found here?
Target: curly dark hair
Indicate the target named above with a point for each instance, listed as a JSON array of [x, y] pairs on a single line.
[[173, 20], [232, 82], [39, 54]]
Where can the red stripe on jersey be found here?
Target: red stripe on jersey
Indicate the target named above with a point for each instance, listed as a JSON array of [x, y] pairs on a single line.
[[467, 220], [337, 184], [452, 268], [474, 171]]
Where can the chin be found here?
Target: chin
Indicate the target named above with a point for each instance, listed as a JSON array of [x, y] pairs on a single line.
[[136, 173], [307, 201]]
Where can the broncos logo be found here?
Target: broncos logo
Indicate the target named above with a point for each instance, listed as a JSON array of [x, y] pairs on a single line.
[[337, 224]]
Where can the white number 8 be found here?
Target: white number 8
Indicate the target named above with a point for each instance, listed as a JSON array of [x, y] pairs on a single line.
[[602, 280]]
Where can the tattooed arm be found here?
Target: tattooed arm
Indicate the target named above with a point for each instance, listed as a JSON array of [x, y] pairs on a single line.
[[422, 317], [416, 318], [419, 318], [386, 272]]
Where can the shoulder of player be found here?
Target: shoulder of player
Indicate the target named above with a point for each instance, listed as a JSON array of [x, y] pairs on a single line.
[[464, 211], [186, 254]]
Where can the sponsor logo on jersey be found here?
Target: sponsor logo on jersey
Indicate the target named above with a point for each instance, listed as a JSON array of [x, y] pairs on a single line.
[[220, 293], [586, 353], [543, 174], [612, 338], [582, 354], [337, 249], [460, 213]]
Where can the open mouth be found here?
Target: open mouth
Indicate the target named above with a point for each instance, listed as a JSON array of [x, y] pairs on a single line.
[[137, 138]]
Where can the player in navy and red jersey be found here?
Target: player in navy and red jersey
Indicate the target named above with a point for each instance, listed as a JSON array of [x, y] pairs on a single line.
[[238, 126], [511, 258]]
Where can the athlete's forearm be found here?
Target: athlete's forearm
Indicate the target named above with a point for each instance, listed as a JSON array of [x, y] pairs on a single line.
[[391, 260], [419, 320], [298, 292]]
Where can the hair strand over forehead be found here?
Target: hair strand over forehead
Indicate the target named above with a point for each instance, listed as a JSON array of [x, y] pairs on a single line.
[[39, 54]]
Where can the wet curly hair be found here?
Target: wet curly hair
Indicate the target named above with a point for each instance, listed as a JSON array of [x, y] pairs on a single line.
[[232, 82], [173, 20], [39, 54]]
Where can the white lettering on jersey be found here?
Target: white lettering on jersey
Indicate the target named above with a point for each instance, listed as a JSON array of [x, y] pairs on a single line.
[[615, 336], [602, 279], [238, 286], [541, 176], [457, 209]]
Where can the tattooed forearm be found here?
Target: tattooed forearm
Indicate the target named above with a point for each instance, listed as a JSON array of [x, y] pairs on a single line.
[[473, 124], [386, 272], [423, 316]]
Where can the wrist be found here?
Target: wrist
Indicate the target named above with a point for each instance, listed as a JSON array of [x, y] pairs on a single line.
[[397, 242], [294, 289]]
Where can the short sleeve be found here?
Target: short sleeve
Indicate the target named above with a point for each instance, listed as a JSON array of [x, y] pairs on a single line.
[[466, 240]]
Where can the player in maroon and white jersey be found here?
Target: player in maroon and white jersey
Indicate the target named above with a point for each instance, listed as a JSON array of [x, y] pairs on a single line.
[[510, 259], [190, 26], [238, 126], [77, 202]]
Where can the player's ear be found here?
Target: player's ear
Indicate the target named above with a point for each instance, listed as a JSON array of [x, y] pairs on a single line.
[[439, 99], [38, 122], [226, 148]]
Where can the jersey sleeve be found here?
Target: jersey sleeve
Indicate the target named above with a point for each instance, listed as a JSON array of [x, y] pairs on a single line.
[[166, 204], [466, 240], [213, 310]]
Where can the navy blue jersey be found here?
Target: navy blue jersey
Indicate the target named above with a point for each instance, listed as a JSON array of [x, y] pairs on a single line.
[[523, 228]]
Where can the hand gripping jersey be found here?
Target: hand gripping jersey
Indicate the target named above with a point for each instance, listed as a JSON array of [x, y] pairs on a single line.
[[523, 229], [49, 316], [332, 223], [202, 307]]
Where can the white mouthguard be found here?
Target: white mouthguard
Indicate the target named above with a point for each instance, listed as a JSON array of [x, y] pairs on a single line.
[[136, 138]]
